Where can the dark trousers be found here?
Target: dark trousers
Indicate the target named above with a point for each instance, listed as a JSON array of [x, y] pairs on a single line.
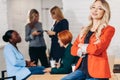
[[39, 53]]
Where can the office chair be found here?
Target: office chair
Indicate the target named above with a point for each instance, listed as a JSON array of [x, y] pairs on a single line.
[[5, 78]]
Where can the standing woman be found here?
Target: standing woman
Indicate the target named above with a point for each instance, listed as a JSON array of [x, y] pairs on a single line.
[[34, 34], [60, 24], [91, 45], [15, 62]]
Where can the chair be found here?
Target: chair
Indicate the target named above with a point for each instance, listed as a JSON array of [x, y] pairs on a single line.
[[5, 78]]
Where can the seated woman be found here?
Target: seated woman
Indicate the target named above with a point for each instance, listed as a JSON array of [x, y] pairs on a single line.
[[64, 67], [16, 65]]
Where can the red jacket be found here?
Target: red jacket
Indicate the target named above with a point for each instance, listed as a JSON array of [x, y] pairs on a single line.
[[98, 66]]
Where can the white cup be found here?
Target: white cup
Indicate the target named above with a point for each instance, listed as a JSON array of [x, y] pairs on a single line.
[[52, 63], [73, 67]]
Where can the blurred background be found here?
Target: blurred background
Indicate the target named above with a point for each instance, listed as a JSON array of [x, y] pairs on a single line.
[[14, 15]]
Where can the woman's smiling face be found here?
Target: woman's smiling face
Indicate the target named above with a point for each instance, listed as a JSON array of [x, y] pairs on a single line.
[[97, 10]]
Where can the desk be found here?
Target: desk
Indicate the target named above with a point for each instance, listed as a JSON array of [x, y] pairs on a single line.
[[115, 76], [46, 77]]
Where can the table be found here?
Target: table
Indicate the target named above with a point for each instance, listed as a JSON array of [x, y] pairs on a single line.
[[46, 77]]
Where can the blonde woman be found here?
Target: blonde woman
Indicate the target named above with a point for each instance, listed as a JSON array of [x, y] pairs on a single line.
[[34, 34], [91, 45], [56, 52]]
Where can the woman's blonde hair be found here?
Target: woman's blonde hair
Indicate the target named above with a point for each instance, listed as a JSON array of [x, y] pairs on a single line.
[[103, 23], [57, 11], [32, 14]]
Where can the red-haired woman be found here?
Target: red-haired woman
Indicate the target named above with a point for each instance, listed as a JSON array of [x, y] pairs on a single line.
[[64, 39]]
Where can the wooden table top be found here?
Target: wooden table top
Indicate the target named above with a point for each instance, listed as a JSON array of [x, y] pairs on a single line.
[[46, 77]]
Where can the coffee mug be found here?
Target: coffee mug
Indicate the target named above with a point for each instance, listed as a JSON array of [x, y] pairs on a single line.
[[52, 63], [73, 67]]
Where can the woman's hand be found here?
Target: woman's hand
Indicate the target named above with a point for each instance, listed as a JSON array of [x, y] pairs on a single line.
[[82, 49], [35, 33], [57, 65], [47, 70], [29, 63], [50, 33], [80, 45]]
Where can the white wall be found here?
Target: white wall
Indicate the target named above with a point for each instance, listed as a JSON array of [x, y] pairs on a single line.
[[77, 11], [3, 28], [3, 20], [115, 21]]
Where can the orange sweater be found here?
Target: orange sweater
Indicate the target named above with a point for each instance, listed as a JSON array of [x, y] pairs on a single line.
[[98, 66]]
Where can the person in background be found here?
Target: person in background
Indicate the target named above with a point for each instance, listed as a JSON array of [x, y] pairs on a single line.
[[56, 52], [34, 34], [91, 45], [15, 62], [64, 67]]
